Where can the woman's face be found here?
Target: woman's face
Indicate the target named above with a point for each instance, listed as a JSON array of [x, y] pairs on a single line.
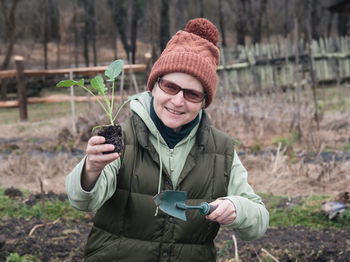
[[174, 110]]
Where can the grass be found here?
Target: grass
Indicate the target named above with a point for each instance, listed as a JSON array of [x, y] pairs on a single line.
[[40, 112], [15, 257], [16, 208], [346, 147], [300, 212], [306, 212]]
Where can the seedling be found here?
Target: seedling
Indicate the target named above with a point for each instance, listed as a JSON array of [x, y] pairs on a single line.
[[111, 132]]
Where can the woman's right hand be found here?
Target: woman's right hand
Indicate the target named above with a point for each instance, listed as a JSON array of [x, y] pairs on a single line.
[[96, 160]]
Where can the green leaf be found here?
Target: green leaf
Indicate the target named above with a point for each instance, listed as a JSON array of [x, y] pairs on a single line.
[[70, 82], [114, 69], [80, 83], [98, 84]]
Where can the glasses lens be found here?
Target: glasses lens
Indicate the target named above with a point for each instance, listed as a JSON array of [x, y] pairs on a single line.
[[169, 87], [193, 95], [172, 89]]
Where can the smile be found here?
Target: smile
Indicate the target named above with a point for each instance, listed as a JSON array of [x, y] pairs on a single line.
[[173, 111]]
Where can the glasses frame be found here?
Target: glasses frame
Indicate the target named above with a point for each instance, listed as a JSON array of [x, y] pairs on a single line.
[[184, 91]]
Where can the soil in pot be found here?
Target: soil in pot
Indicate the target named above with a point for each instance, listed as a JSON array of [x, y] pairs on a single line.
[[113, 135]]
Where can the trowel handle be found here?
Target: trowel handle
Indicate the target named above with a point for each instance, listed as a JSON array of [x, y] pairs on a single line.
[[211, 209], [206, 209]]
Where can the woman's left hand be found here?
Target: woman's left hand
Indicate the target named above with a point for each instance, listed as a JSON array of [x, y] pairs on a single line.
[[225, 213]]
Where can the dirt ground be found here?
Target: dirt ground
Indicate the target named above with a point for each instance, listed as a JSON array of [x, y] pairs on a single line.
[[63, 241]]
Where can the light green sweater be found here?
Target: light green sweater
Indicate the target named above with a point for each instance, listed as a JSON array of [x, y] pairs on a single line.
[[252, 217]]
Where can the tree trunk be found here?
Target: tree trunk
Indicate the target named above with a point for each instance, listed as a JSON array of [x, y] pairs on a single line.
[[342, 24], [133, 29], [312, 73], [177, 19], [164, 25], [201, 8], [222, 24], [86, 34], [153, 17], [120, 19], [45, 31], [286, 20], [259, 10], [76, 35], [315, 19], [92, 28], [240, 24], [10, 22], [329, 24]]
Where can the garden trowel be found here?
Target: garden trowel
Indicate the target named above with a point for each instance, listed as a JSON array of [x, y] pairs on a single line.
[[172, 203]]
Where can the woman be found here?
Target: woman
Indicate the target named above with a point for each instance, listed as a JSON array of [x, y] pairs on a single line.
[[169, 145]]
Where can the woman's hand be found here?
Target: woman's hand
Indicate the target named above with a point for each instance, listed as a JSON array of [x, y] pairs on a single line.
[[96, 160], [225, 213]]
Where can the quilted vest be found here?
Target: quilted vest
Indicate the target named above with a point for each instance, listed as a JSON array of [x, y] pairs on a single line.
[[126, 228]]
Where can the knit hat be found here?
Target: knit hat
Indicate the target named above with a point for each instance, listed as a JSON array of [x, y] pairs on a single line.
[[192, 51]]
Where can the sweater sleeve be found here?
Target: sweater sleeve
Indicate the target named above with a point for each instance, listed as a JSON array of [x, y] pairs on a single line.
[[252, 217], [104, 188]]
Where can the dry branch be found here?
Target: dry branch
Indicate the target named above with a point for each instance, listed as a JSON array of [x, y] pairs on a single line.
[[269, 254], [41, 225]]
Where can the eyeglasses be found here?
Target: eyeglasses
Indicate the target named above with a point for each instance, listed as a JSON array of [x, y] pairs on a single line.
[[172, 89]]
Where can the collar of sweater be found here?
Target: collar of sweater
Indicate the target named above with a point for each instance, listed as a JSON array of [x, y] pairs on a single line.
[[169, 135]]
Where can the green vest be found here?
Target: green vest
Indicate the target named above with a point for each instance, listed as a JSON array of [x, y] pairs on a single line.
[[126, 228]]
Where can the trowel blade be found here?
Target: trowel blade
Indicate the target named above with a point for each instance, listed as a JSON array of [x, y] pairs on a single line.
[[166, 201]]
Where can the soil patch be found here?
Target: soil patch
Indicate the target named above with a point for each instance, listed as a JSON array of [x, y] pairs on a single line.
[[65, 242], [289, 244]]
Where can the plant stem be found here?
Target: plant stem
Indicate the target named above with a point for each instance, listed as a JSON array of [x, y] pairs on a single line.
[[112, 103], [108, 104], [120, 108]]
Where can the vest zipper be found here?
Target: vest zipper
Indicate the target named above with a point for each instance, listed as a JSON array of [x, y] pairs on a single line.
[[170, 161], [171, 168]]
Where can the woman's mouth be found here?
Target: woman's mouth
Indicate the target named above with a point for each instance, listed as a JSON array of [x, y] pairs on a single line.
[[173, 111]]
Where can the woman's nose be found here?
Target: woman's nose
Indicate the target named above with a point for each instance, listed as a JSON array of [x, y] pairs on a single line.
[[178, 99]]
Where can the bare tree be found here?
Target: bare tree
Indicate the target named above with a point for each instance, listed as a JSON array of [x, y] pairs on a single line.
[[75, 33], [238, 8], [153, 17], [177, 18], [222, 23], [342, 24], [120, 19], [92, 28], [164, 25], [10, 22], [45, 7], [201, 8], [135, 14], [286, 22]]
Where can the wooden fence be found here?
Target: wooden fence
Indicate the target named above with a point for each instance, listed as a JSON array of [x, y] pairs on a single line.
[[20, 74], [265, 66]]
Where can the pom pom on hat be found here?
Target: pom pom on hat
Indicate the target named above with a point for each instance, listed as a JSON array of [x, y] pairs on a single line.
[[203, 28], [192, 51]]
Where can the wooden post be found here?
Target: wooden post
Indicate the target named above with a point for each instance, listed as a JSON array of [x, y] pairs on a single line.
[[21, 89], [133, 78], [226, 84], [297, 80]]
